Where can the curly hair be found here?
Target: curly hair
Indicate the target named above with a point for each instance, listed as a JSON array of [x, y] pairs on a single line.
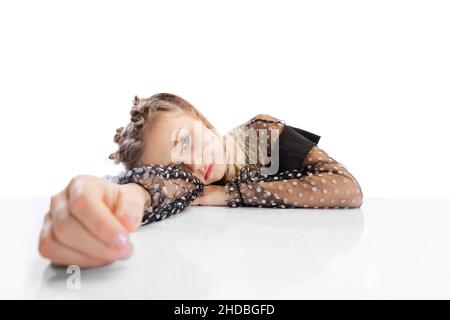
[[130, 139]]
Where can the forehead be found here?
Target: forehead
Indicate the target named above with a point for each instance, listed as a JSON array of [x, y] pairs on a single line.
[[160, 133]]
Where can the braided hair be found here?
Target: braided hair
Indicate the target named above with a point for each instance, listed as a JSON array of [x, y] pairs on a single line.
[[130, 139]]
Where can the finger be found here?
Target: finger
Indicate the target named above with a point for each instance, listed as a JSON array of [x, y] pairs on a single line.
[[71, 233], [199, 201], [61, 255], [129, 209], [86, 204]]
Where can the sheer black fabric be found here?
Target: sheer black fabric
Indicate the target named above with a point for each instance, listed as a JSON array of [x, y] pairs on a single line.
[[307, 177], [171, 189]]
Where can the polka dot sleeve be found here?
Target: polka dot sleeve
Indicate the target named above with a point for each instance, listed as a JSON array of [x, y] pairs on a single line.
[[171, 189], [319, 182]]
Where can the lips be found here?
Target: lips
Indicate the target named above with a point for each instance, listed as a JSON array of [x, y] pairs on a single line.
[[208, 169]]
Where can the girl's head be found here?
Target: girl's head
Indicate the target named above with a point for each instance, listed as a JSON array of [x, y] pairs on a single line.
[[166, 129]]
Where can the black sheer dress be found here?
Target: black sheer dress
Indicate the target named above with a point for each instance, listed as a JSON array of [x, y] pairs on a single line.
[[306, 177]]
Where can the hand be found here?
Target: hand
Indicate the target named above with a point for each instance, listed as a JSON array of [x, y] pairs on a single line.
[[212, 195], [89, 221]]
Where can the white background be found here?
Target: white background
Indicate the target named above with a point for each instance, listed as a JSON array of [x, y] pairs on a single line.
[[371, 77]]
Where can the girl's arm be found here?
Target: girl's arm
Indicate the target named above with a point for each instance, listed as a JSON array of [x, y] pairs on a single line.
[[319, 182], [322, 183], [170, 188], [88, 222]]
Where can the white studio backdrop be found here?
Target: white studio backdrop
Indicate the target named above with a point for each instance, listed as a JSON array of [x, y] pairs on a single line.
[[371, 77]]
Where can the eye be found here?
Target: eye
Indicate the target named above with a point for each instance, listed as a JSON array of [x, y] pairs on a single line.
[[185, 141]]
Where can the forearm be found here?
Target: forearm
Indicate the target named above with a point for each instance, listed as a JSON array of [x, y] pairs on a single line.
[[139, 191], [322, 183], [167, 190]]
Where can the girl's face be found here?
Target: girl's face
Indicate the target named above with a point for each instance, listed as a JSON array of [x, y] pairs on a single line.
[[178, 136]]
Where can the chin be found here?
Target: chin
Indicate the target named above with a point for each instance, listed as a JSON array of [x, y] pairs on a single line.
[[216, 175]]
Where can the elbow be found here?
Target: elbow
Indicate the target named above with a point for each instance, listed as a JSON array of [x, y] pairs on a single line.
[[349, 195], [356, 201], [356, 198]]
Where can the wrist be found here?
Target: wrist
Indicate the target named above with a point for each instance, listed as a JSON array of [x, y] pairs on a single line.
[[139, 190], [220, 196]]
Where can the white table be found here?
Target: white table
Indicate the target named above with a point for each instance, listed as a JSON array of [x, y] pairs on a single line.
[[390, 248]]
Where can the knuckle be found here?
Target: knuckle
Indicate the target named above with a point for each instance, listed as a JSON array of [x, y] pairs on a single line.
[[79, 182], [45, 247], [53, 201], [60, 229], [78, 202], [76, 180]]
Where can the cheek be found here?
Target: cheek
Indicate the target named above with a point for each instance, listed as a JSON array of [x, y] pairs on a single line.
[[217, 148], [219, 171], [210, 147]]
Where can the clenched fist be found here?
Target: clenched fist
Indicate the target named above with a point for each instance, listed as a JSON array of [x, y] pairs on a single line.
[[89, 221]]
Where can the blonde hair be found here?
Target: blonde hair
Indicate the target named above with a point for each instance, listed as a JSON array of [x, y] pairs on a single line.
[[240, 151]]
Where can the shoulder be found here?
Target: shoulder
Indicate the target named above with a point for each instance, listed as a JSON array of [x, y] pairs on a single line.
[[264, 118], [260, 121], [264, 121]]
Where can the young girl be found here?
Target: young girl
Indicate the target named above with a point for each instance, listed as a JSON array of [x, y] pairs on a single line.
[[174, 157]]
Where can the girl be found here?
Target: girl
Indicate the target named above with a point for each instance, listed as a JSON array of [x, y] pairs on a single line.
[[174, 157]]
